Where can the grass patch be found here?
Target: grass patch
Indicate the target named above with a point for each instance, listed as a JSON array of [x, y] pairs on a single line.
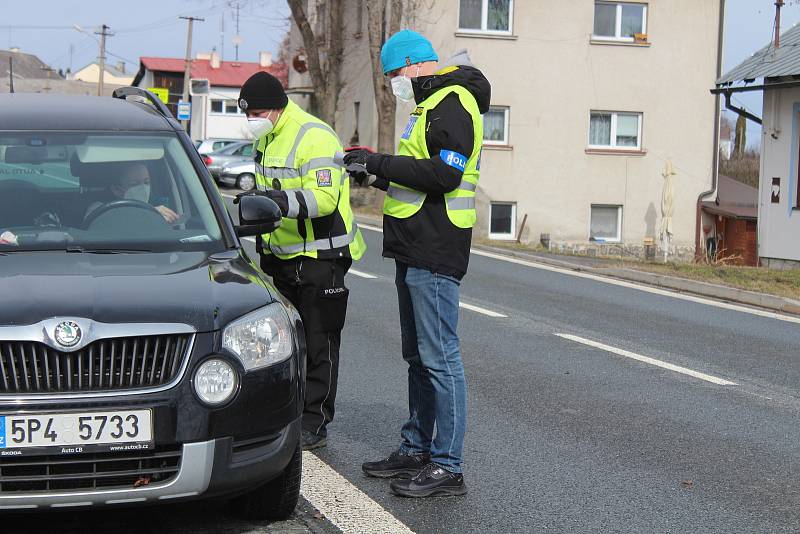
[[771, 281]]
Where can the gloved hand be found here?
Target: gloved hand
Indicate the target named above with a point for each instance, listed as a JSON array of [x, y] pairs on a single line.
[[358, 164], [254, 192]]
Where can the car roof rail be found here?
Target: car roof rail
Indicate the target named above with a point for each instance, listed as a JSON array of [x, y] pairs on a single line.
[[144, 96]]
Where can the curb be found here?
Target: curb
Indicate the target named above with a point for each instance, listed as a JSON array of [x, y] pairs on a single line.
[[683, 285]]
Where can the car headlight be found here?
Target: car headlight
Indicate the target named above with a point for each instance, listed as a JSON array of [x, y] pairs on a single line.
[[260, 338], [215, 381]]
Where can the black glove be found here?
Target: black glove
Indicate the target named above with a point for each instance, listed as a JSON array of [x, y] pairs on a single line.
[[361, 164], [254, 193]]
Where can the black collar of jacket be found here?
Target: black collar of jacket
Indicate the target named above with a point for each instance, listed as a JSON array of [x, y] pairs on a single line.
[[468, 77]]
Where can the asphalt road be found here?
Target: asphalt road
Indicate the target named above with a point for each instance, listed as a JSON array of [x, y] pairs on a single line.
[[563, 435]]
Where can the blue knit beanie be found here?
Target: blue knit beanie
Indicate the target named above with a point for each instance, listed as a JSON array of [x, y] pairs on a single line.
[[406, 47]]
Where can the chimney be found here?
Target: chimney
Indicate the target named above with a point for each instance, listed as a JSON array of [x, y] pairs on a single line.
[[203, 55], [14, 49], [121, 66], [265, 59], [214, 60]]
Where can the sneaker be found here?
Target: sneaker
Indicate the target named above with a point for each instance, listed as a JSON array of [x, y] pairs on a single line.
[[396, 465], [311, 441], [432, 481]]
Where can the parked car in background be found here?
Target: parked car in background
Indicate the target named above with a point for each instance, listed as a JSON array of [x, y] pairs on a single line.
[[204, 146], [230, 155], [241, 175]]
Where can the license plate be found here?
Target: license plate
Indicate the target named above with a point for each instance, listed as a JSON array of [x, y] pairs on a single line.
[[69, 433]]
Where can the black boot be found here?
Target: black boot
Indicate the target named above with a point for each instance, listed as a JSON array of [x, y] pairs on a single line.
[[432, 481], [312, 441], [396, 465]]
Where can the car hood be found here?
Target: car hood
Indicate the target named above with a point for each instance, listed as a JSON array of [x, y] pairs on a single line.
[[194, 288]]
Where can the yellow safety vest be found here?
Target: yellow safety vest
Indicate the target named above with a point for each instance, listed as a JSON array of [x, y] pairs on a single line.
[[297, 157], [403, 202]]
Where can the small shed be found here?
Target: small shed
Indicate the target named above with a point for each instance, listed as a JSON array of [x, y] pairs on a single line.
[[734, 213]]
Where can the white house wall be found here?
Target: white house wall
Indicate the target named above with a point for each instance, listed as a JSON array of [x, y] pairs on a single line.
[[219, 124], [779, 223]]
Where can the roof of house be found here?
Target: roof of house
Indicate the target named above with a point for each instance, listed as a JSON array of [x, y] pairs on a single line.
[[734, 199], [229, 73], [25, 66], [56, 86], [769, 63]]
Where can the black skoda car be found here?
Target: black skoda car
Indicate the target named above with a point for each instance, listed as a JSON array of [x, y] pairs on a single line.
[[144, 358]]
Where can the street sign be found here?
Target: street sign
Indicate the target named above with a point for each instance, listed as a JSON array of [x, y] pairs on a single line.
[[161, 92], [184, 110]]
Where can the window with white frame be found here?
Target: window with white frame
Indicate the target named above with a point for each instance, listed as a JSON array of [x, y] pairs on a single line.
[[610, 129], [606, 223], [225, 107], [503, 223], [619, 21], [489, 16], [495, 126]]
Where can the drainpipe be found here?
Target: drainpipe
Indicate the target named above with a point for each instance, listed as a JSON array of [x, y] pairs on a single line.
[[715, 164]]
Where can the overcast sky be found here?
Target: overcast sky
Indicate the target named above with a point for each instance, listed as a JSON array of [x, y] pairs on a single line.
[[152, 28]]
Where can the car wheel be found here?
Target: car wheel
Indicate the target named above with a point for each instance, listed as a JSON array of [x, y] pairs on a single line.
[[246, 182], [276, 499]]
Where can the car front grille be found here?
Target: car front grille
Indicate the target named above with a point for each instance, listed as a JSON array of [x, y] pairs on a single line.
[[89, 471], [116, 364]]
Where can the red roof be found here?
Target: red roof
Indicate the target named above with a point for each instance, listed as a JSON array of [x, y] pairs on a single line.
[[229, 73]]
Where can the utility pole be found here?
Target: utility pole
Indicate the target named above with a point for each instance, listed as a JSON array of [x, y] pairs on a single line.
[[188, 68], [237, 31], [11, 74], [102, 59], [778, 5]]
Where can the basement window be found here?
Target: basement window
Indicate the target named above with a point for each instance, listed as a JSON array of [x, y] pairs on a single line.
[[503, 223], [606, 224]]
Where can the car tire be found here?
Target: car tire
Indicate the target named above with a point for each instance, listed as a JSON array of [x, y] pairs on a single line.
[[246, 182], [276, 499]]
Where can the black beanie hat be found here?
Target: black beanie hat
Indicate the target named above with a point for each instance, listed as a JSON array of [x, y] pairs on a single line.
[[262, 90]]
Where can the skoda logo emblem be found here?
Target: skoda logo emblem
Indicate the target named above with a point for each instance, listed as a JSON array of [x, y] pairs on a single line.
[[68, 334]]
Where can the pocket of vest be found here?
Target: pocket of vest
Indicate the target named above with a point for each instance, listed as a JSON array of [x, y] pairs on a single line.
[[332, 307]]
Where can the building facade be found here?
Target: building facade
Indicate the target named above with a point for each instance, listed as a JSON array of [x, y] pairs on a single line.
[[590, 100], [114, 74]]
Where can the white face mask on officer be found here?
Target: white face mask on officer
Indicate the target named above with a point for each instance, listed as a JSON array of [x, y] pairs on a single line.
[[402, 87], [260, 126]]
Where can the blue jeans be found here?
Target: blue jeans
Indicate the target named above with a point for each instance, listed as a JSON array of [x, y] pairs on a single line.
[[437, 390]]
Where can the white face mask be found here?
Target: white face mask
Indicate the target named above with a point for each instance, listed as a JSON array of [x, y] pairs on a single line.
[[260, 126], [402, 88], [139, 192]]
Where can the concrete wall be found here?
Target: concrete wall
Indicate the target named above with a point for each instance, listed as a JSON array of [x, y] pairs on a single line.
[[779, 223]]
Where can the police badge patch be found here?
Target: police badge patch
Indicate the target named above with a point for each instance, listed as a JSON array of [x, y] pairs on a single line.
[[324, 178]]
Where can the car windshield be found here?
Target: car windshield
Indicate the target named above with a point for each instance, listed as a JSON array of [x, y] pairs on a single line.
[[102, 192]]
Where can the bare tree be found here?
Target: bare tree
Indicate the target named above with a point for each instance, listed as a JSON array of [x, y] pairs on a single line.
[[379, 30], [324, 53]]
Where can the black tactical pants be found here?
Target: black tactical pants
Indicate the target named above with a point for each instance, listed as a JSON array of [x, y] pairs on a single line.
[[316, 288]]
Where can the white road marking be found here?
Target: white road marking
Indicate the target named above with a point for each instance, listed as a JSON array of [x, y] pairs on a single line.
[[630, 285], [362, 274], [370, 227], [343, 504], [483, 311], [647, 359]]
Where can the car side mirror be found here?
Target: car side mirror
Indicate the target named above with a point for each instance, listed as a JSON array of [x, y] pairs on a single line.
[[257, 215]]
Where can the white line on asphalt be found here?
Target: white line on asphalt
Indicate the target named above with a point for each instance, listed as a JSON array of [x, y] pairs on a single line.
[[478, 309], [362, 274], [622, 283], [370, 227], [343, 504], [646, 359]]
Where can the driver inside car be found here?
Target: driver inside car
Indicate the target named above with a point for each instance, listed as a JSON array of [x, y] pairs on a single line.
[[133, 183]]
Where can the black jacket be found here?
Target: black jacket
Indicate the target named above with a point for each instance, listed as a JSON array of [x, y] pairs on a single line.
[[428, 239]]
